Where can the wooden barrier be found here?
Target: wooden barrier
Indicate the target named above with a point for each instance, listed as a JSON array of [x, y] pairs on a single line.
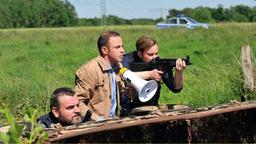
[[230, 123]]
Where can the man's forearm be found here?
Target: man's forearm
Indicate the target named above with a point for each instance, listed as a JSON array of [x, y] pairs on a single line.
[[143, 74], [178, 79]]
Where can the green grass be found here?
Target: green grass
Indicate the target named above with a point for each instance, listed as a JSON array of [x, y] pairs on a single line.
[[34, 62]]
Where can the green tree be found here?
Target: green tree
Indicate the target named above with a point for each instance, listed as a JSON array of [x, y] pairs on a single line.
[[89, 22], [145, 21], [36, 13], [243, 10], [253, 15], [187, 11], [173, 13], [202, 14], [219, 14], [114, 20], [237, 14]]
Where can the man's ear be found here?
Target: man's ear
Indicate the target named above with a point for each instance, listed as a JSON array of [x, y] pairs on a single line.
[[55, 112], [140, 53], [104, 50]]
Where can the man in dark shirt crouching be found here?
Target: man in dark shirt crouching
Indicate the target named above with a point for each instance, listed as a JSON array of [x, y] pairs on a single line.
[[64, 106]]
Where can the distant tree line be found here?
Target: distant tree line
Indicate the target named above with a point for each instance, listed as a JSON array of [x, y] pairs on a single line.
[[61, 13], [36, 13], [239, 13], [114, 20]]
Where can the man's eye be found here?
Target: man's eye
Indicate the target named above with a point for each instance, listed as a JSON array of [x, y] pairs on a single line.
[[70, 107], [119, 46]]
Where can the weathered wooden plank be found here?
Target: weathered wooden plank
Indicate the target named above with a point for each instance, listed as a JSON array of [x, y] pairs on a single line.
[[233, 122]]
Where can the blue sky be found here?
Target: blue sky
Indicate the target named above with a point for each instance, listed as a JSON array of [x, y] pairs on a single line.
[[146, 8]]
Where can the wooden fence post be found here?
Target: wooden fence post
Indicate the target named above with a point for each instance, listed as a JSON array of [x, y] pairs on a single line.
[[247, 67]]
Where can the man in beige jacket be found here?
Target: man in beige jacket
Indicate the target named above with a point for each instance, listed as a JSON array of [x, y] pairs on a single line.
[[98, 86]]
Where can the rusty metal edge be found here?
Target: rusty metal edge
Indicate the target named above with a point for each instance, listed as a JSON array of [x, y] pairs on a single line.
[[187, 116]]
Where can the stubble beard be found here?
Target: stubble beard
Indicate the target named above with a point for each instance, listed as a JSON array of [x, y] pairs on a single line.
[[75, 120]]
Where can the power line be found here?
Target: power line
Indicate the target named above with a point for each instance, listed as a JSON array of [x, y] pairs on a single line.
[[102, 5], [103, 12]]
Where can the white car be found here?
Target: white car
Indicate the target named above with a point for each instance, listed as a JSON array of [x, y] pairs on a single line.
[[181, 22]]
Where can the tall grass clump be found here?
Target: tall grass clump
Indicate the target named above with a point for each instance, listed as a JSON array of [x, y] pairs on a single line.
[[25, 132]]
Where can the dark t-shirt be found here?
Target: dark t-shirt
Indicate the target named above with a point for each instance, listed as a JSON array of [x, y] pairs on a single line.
[[47, 120], [167, 78]]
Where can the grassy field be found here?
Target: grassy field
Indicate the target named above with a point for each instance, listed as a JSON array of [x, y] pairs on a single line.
[[34, 62]]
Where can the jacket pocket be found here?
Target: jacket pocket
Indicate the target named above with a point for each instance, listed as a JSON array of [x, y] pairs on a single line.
[[98, 93]]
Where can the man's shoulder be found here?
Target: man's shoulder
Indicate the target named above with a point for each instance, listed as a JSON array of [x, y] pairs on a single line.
[[130, 54], [89, 66], [47, 120], [128, 57], [43, 117], [89, 63]]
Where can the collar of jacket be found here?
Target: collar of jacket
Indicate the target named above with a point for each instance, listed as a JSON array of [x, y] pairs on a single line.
[[102, 63], [136, 57], [106, 66]]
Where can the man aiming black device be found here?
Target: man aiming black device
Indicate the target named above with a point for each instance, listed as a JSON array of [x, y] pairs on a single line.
[[146, 64]]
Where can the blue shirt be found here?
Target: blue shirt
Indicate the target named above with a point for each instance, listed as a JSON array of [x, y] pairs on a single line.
[[113, 93]]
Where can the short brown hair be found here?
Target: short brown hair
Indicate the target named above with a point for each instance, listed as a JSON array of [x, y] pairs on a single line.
[[62, 91], [145, 42], [104, 37]]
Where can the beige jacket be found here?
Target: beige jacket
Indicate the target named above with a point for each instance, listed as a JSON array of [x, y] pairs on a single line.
[[93, 88]]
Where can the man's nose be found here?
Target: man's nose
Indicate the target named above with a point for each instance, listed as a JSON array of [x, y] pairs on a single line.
[[76, 109], [122, 50], [155, 56]]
